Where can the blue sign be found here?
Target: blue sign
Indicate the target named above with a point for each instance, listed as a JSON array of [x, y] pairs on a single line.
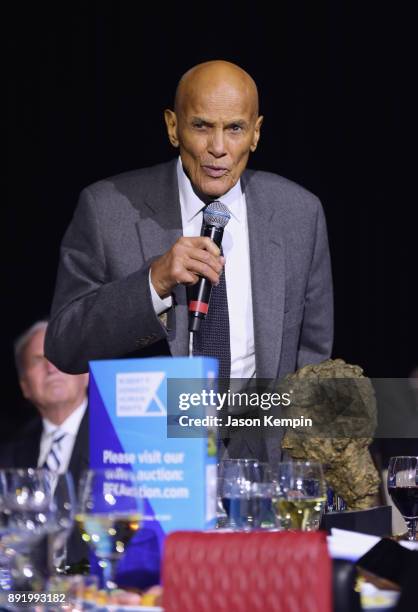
[[128, 428]]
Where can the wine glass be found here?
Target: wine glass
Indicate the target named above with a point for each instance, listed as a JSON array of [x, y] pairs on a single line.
[[300, 495], [403, 489], [5, 576], [26, 514], [64, 507], [109, 513], [246, 489]]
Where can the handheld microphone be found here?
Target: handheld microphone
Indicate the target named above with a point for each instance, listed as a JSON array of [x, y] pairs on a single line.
[[215, 217]]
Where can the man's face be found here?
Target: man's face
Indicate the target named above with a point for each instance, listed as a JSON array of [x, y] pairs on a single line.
[[215, 128], [43, 384]]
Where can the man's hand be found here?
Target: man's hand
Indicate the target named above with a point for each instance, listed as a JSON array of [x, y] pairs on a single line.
[[186, 261]]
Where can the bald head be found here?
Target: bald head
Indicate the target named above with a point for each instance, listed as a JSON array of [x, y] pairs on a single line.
[[215, 124], [217, 74]]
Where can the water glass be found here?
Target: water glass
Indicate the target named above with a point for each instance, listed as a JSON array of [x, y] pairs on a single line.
[[246, 489]]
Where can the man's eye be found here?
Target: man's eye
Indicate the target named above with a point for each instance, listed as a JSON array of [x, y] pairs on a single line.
[[199, 125], [236, 128], [36, 360]]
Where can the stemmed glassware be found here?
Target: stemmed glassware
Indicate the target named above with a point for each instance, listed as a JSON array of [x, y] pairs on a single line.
[[109, 513], [245, 490], [403, 489], [26, 512], [300, 495], [59, 529]]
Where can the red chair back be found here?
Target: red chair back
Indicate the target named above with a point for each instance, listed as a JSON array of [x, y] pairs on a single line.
[[247, 572]]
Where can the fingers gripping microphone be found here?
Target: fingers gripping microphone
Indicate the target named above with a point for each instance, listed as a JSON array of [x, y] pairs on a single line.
[[215, 217]]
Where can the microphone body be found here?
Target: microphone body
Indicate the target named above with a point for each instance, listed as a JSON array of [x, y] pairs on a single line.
[[216, 216]]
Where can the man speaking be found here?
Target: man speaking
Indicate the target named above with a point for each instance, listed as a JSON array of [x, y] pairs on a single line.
[[133, 250]]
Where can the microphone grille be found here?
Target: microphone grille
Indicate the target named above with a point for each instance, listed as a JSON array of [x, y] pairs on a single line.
[[216, 214]]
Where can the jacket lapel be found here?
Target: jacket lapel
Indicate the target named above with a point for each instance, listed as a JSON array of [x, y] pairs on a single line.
[[161, 226], [267, 275], [158, 231], [26, 450]]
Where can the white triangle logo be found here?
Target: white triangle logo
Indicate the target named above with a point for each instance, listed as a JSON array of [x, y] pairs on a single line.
[[137, 394]]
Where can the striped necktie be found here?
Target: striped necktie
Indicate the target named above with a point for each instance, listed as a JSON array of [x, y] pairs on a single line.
[[53, 461]]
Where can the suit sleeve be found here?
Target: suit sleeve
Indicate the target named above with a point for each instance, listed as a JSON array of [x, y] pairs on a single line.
[[93, 315], [316, 336]]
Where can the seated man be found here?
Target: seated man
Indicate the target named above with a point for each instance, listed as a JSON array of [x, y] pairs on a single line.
[[58, 437]]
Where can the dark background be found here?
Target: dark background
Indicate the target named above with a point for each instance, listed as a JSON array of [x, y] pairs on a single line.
[[86, 84]]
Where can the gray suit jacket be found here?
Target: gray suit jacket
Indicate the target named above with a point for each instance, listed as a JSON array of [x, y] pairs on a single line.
[[102, 307]]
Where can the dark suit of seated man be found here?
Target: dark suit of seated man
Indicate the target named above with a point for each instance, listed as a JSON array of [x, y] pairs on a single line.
[[58, 437]]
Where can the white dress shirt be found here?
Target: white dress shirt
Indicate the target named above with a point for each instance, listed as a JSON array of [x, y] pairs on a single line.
[[237, 269], [70, 426]]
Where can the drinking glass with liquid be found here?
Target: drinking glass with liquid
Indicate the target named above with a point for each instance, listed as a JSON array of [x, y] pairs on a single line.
[[109, 514], [245, 489], [403, 489], [300, 495]]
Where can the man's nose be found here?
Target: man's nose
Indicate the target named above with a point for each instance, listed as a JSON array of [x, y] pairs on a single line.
[[217, 143]]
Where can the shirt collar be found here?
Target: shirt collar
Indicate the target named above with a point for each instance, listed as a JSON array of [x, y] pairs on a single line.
[[193, 205], [71, 423]]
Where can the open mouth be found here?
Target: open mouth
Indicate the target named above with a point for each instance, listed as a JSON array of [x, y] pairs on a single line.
[[214, 171]]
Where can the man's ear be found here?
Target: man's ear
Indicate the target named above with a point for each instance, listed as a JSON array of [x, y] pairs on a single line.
[[24, 387], [170, 118], [256, 134]]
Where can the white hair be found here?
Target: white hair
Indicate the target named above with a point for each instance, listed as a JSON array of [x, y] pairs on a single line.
[[22, 341]]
